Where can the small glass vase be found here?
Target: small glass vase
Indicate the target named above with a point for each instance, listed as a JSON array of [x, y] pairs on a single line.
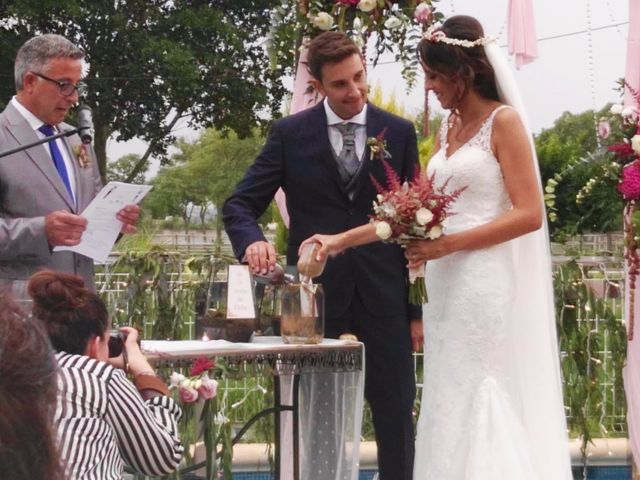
[[302, 313]]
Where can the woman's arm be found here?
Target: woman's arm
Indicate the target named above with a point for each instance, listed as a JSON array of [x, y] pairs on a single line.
[[147, 432], [513, 150], [334, 244]]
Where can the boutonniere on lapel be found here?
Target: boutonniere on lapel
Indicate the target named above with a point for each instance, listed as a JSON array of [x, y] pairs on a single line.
[[378, 146], [82, 155]]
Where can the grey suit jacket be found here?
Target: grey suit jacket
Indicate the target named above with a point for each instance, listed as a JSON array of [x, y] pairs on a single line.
[[30, 188]]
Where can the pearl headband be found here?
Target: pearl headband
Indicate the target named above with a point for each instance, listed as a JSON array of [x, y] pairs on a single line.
[[434, 34]]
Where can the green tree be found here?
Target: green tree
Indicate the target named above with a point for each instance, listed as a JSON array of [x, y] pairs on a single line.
[[155, 62], [569, 150], [203, 174], [120, 169]]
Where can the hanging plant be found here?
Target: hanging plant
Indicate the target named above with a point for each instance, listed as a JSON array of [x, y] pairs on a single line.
[[588, 329]]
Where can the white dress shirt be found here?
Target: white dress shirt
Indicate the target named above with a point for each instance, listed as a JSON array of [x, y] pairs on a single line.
[[335, 137]]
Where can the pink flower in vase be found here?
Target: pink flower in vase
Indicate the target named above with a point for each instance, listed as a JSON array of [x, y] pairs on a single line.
[[188, 394], [629, 187], [208, 388]]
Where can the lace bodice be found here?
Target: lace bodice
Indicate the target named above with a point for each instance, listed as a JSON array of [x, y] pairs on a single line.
[[474, 166]]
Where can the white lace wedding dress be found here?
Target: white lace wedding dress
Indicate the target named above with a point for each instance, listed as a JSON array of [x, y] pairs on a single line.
[[472, 415]]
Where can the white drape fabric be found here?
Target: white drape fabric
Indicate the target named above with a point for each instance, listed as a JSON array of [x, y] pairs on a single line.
[[535, 345], [330, 424]]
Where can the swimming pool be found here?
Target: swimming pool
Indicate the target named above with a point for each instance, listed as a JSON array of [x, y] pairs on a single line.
[[593, 473]]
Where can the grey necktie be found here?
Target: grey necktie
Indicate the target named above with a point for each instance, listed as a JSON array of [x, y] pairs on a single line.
[[348, 156]]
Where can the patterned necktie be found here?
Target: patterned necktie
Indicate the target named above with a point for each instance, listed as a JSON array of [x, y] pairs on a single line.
[[56, 155], [348, 156]]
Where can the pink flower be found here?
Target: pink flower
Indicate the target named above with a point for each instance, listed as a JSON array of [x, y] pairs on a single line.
[[209, 387], [629, 187], [422, 13], [604, 129], [188, 394], [201, 365]]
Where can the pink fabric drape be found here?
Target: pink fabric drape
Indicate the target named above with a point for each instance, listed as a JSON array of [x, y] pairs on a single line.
[[303, 97], [631, 372], [521, 32]]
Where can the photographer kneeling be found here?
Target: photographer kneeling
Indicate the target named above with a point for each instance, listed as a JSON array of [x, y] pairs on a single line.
[[102, 418]]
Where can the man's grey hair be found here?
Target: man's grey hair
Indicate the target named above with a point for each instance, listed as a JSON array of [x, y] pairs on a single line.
[[35, 55]]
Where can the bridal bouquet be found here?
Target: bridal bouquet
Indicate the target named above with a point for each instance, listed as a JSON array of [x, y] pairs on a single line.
[[413, 210]]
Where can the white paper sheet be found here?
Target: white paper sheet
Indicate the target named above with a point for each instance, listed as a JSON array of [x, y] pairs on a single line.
[[103, 227]]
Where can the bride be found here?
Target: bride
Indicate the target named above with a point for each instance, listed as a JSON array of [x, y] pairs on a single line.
[[492, 396]]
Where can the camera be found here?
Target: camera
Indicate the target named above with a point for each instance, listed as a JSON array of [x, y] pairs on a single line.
[[116, 343]]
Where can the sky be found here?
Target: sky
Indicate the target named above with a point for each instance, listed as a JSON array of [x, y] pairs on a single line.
[[574, 71]]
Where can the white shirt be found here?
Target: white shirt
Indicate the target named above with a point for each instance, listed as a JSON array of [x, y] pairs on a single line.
[[36, 123], [335, 137]]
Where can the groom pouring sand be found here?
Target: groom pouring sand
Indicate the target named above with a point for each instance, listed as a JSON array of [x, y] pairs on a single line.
[[320, 158]]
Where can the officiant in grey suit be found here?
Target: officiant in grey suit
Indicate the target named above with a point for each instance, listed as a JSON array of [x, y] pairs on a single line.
[[43, 189]]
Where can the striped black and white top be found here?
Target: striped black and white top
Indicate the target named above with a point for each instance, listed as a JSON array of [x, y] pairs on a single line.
[[102, 422]]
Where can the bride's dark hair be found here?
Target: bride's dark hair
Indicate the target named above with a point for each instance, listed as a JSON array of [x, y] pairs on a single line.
[[469, 64]]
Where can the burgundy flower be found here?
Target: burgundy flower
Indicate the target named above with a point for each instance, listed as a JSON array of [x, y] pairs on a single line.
[[201, 365], [621, 149]]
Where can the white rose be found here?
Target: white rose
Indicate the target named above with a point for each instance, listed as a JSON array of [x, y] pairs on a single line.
[[383, 230], [435, 232], [186, 383], [616, 109], [176, 379], [392, 23], [628, 112], [197, 384], [367, 5], [635, 143], [423, 216], [323, 21]]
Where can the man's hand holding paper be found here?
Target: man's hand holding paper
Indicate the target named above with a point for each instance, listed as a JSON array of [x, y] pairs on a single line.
[[112, 211]]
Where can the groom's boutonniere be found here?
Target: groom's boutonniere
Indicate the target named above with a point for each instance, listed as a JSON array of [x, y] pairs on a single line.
[[378, 146], [82, 155]]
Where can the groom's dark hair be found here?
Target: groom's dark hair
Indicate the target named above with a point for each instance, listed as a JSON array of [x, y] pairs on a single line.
[[329, 47]]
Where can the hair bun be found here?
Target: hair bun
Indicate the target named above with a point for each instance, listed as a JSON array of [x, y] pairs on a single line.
[[56, 290]]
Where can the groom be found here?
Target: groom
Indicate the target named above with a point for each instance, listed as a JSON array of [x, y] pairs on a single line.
[[321, 159]]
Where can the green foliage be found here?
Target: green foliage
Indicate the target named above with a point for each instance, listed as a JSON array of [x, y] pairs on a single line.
[[388, 103], [154, 62], [202, 174], [120, 169], [157, 302], [569, 156], [588, 328]]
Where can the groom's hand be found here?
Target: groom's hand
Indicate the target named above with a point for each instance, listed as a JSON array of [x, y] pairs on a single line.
[[261, 257], [417, 335]]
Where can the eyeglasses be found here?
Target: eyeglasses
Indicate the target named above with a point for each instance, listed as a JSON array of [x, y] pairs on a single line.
[[66, 88]]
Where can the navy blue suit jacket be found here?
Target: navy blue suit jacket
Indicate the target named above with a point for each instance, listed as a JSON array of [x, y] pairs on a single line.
[[297, 157]]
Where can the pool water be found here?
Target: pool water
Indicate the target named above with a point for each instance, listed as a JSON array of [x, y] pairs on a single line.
[[593, 473]]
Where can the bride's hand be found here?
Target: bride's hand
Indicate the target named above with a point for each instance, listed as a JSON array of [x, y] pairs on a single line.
[[418, 252], [331, 245]]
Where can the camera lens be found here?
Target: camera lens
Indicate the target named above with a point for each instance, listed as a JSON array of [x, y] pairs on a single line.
[[116, 344]]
